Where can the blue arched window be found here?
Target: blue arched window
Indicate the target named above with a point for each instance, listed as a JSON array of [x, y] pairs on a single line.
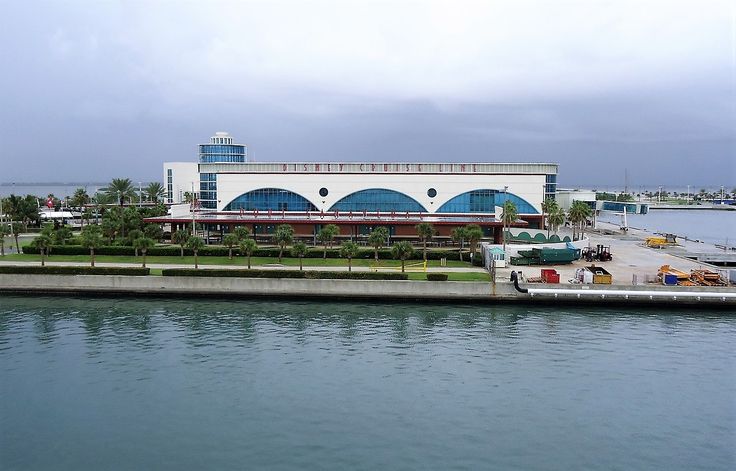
[[275, 199], [378, 199], [484, 201]]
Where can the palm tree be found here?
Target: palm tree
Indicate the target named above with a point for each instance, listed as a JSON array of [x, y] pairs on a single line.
[[349, 249], [121, 189], [143, 244], [247, 247], [548, 206], [508, 217], [153, 231], [242, 232], [578, 214], [230, 241], [299, 249], [195, 244], [377, 239], [425, 231], [4, 232], [326, 235], [474, 234], [16, 228], [154, 191], [556, 218], [180, 237], [43, 242], [79, 198], [62, 234], [283, 236], [402, 250], [459, 235], [92, 239]]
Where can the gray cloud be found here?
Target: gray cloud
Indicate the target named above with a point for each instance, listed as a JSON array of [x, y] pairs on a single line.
[[96, 91]]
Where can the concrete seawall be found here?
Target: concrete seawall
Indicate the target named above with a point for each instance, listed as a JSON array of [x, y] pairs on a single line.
[[470, 292]]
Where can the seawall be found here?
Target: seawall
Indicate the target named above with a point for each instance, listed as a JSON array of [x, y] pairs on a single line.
[[446, 291]]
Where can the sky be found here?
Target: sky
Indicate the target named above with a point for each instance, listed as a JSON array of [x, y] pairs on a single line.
[[93, 90]]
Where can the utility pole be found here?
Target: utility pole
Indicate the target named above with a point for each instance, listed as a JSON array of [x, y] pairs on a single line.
[[192, 206], [503, 220]]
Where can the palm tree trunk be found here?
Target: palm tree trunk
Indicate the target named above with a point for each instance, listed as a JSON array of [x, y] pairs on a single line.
[[92, 257], [424, 249], [376, 254], [300, 264], [196, 265], [324, 254], [248, 262], [43, 257], [182, 251], [402, 265], [230, 253], [144, 259], [17, 247], [281, 253], [350, 264]]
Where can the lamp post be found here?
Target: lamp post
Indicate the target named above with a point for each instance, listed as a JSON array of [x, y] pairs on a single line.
[[192, 206], [503, 220]]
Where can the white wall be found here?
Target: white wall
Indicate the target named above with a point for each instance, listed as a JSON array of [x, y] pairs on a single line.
[[232, 185], [184, 174], [566, 197]]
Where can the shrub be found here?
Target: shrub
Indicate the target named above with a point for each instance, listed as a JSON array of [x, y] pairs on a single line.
[[216, 250], [67, 270], [436, 276], [339, 275], [233, 273], [355, 275]]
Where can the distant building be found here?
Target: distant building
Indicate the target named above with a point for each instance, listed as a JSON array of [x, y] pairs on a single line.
[[566, 196]]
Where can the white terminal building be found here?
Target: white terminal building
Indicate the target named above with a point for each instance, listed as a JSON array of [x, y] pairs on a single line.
[[357, 196]]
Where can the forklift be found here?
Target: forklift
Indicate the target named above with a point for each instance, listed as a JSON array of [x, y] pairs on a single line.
[[601, 253]]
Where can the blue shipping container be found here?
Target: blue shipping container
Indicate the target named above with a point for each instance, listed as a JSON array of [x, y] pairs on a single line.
[[670, 279]]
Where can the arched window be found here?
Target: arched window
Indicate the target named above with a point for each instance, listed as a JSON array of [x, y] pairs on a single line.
[[484, 201], [274, 199], [378, 199]]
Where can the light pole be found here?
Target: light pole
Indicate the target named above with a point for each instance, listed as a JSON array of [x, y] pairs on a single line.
[[503, 220], [192, 206]]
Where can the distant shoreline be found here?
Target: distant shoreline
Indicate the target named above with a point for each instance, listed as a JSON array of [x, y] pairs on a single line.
[[717, 207]]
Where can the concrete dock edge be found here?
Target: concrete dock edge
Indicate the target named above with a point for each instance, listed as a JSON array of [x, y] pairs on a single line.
[[428, 291]]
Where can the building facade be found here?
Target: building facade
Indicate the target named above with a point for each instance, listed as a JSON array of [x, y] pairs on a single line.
[[357, 195]]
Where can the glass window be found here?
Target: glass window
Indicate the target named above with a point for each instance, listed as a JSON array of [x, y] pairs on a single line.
[[378, 199], [274, 199], [484, 201]]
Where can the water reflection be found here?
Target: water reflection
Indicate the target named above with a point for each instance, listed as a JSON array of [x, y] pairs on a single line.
[[201, 322], [214, 384]]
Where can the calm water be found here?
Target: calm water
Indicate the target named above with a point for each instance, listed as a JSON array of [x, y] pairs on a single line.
[[60, 191], [124, 384], [712, 226]]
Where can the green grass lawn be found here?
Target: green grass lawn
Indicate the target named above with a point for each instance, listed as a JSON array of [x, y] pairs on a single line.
[[236, 261]]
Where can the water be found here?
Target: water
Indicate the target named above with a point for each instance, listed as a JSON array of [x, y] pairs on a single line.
[[59, 190], [711, 226], [166, 384]]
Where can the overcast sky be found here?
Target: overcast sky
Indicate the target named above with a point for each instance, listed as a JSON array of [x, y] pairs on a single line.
[[93, 90]]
